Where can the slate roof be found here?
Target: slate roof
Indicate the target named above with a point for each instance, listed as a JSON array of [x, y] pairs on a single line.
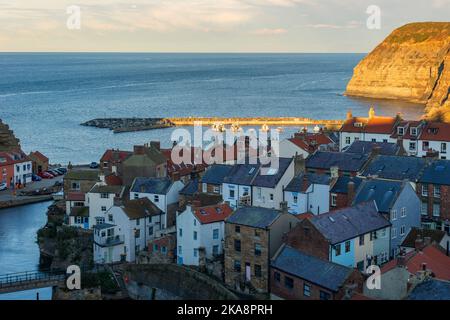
[[270, 177], [102, 226], [383, 192], [254, 217], [366, 147], [395, 167], [431, 290], [350, 162], [107, 189], [348, 223], [216, 173], [341, 184], [297, 185], [140, 208], [75, 174], [151, 185], [190, 188], [320, 272], [242, 174], [438, 172]]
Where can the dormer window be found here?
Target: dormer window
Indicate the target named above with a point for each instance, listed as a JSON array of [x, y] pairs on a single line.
[[358, 124], [401, 131], [413, 131]]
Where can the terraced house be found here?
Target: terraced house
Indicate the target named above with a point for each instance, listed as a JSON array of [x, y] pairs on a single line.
[[354, 237]]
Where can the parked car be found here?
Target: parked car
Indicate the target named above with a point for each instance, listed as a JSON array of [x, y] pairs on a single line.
[[45, 175], [61, 171], [3, 186], [35, 177], [93, 165], [53, 172]]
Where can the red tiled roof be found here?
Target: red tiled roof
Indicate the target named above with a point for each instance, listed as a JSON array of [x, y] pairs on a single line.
[[376, 124], [113, 180], [75, 196], [183, 169], [40, 156], [6, 159], [310, 142], [14, 157], [436, 131], [306, 215], [407, 125], [213, 213], [435, 260], [115, 155], [360, 296]]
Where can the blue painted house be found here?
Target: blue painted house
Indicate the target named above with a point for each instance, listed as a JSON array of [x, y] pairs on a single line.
[[397, 202]]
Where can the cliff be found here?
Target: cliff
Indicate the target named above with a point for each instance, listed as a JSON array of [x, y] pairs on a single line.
[[411, 64], [8, 142]]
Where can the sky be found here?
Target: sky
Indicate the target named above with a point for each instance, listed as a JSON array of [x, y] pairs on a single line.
[[207, 25]]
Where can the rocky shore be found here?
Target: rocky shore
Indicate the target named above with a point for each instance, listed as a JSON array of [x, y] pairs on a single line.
[[118, 125]]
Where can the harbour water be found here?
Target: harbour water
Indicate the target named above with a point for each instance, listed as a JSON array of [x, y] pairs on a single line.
[[18, 248], [45, 96]]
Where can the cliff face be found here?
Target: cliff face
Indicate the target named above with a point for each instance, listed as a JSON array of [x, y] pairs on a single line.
[[8, 142], [412, 64]]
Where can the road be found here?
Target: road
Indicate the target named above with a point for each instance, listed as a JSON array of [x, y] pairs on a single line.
[[7, 195]]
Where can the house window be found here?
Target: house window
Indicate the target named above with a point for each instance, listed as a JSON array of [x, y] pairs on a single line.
[[110, 217], [78, 204], [75, 186], [403, 212], [424, 208], [180, 250], [237, 245], [257, 271], [18, 168], [324, 295], [288, 282], [163, 250], [413, 131], [215, 250], [271, 197], [374, 140], [257, 249], [402, 230], [437, 191], [333, 199], [337, 249], [216, 189], [385, 140], [394, 214], [180, 232], [425, 190], [104, 195], [412, 146], [216, 234], [400, 131], [347, 140], [443, 147], [138, 222], [347, 246], [204, 187], [361, 240], [245, 192], [195, 252], [136, 196], [150, 230], [436, 210], [103, 208], [237, 229], [257, 234], [277, 276], [394, 232], [156, 198], [382, 233], [258, 193], [237, 265], [99, 220], [425, 145], [137, 233], [231, 194], [195, 222], [295, 198], [306, 290], [195, 235]]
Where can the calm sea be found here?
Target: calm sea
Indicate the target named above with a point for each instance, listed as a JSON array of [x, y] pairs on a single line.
[[44, 97]]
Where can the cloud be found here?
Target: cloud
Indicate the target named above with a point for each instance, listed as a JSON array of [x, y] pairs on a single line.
[[348, 25], [269, 32]]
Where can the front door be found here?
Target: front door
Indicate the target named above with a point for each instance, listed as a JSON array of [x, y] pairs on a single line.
[[248, 272]]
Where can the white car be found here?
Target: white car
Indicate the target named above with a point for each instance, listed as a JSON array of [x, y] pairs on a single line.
[[3, 186]]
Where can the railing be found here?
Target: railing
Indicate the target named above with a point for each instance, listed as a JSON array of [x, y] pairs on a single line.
[[109, 241], [30, 277]]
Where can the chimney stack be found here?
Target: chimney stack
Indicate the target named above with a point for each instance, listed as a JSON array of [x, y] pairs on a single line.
[[156, 145], [350, 192], [418, 244], [139, 150], [284, 206]]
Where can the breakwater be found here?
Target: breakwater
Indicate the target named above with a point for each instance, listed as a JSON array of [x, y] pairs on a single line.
[[139, 124]]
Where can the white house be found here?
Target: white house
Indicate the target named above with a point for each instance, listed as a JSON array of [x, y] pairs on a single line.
[[200, 232], [132, 224], [434, 137], [100, 199], [23, 168], [163, 192], [237, 185], [308, 192], [373, 128]]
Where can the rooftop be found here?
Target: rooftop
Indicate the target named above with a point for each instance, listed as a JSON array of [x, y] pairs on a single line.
[[254, 217], [371, 124], [301, 182], [345, 161], [320, 272], [107, 189], [310, 142], [395, 167], [213, 213], [348, 223], [414, 233], [268, 177], [438, 172], [190, 188], [115, 155], [366, 147], [341, 184], [102, 226], [216, 173], [151, 185], [437, 131], [383, 192], [431, 289], [79, 212], [75, 174], [140, 208], [242, 174]]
